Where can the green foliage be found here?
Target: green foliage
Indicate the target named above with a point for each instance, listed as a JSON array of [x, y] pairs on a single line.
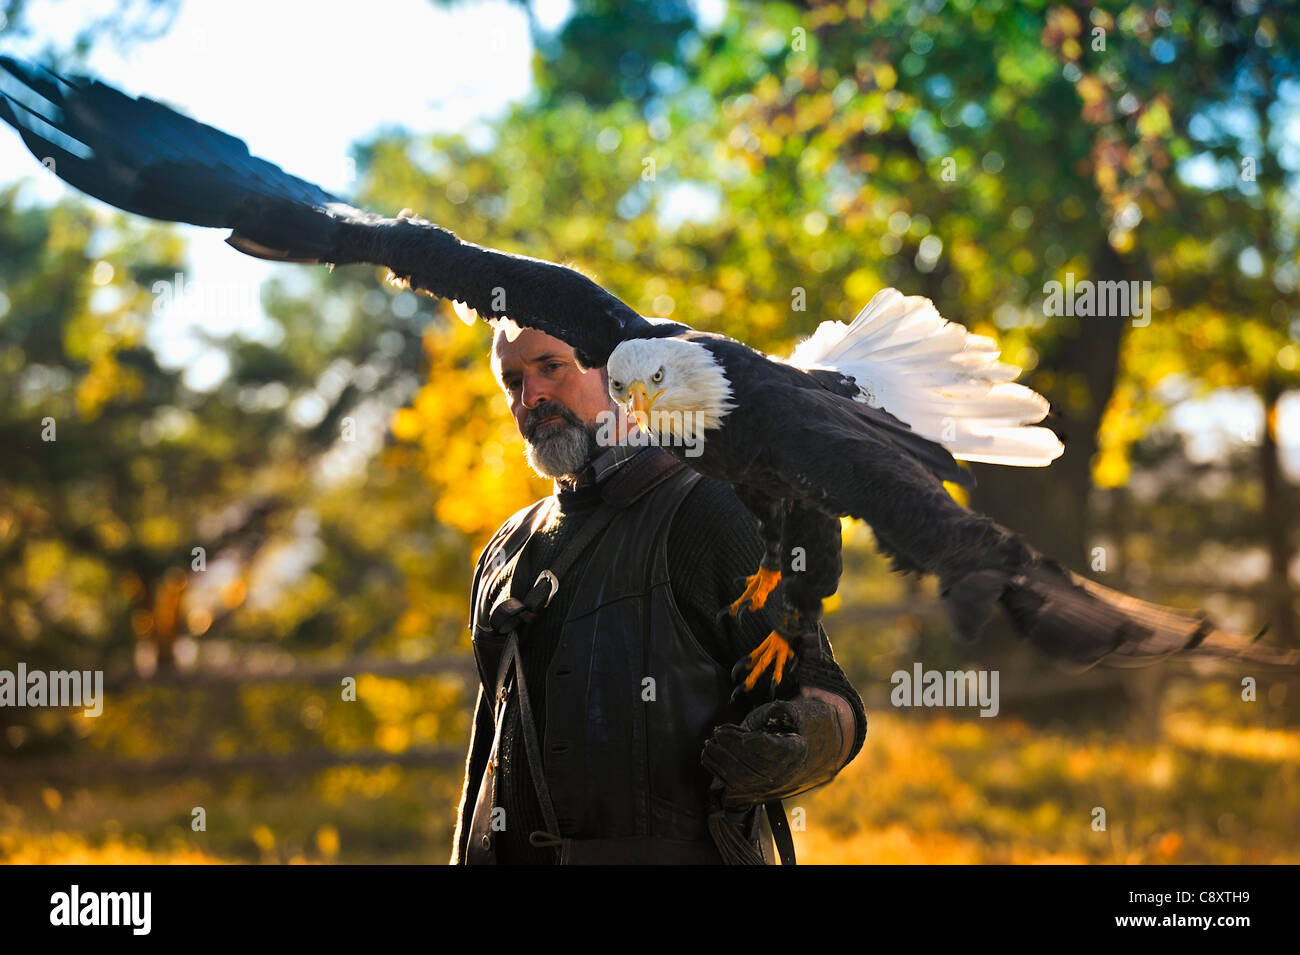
[[755, 181]]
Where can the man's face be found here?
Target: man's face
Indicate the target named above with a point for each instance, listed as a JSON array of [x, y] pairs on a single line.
[[556, 407]]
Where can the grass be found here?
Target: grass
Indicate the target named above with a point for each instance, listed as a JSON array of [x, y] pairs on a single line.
[[1213, 786]]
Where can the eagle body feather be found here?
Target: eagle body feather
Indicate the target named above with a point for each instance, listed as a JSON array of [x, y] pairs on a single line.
[[791, 438]]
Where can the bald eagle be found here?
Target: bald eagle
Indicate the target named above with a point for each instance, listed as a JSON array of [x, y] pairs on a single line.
[[864, 420]]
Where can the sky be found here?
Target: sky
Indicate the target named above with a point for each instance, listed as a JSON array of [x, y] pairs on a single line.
[[300, 82]]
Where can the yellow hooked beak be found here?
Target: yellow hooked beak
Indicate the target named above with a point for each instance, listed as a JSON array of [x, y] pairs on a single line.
[[641, 400]]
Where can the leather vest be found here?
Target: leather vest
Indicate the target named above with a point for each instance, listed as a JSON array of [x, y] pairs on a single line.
[[631, 695]]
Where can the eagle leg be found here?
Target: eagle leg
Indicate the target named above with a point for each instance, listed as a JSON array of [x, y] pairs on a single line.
[[810, 580], [775, 653], [807, 581], [796, 636], [757, 588], [771, 513]]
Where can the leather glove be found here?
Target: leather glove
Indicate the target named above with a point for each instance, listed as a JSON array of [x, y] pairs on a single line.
[[780, 749]]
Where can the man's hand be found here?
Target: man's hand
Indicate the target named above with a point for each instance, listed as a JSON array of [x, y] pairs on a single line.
[[780, 749]]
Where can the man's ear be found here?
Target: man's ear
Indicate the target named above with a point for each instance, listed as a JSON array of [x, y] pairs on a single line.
[[494, 362]]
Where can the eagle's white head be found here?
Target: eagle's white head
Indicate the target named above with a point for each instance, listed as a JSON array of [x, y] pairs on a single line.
[[672, 387]]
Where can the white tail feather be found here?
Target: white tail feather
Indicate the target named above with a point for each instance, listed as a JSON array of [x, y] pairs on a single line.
[[940, 379]]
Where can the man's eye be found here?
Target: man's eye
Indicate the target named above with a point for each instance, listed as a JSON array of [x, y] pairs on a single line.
[[552, 366]]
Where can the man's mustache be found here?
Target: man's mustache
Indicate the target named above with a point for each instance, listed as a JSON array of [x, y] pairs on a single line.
[[550, 409]]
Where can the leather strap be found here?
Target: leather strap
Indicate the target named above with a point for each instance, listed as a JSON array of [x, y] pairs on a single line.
[[511, 671], [590, 531], [780, 831], [512, 614], [728, 832]]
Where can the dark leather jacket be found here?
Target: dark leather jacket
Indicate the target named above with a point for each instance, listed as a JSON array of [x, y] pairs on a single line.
[[630, 696]]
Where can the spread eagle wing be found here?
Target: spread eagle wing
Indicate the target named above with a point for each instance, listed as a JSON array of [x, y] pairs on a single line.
[[844, 463], [145, 158]]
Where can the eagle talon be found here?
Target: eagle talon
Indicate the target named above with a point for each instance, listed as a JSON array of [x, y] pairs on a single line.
[[774, 653], [758, 587]]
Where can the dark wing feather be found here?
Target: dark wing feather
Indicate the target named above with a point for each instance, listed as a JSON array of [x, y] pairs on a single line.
[[854, 460], [843, 462], [143, 157], [533, 292]]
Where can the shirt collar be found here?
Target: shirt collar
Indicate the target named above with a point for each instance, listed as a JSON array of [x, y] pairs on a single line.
[[602, 466]]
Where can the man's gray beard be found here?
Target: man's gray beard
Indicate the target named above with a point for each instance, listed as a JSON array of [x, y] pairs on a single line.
[[562, 453]]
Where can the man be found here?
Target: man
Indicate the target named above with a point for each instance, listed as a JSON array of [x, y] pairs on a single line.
[[626, 668]]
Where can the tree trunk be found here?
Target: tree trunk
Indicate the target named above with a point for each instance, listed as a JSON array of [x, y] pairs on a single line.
[[1280, 608], [1050, 506]]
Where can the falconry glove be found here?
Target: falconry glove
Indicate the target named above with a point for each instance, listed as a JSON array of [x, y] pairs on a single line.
[[780, 749]]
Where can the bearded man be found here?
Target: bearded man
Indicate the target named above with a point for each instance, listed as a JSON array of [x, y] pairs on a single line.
[[605, 729]]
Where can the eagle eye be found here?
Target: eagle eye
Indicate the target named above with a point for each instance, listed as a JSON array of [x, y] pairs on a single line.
[[658, 376], [616, 385]]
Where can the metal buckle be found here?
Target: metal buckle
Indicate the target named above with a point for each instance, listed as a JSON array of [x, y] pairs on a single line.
[[553, 585]]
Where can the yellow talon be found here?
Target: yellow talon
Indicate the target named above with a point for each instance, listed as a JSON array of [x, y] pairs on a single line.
[[774, 651], [757, 588]]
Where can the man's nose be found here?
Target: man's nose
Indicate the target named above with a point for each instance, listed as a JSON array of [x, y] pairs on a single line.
[[535, 391]]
